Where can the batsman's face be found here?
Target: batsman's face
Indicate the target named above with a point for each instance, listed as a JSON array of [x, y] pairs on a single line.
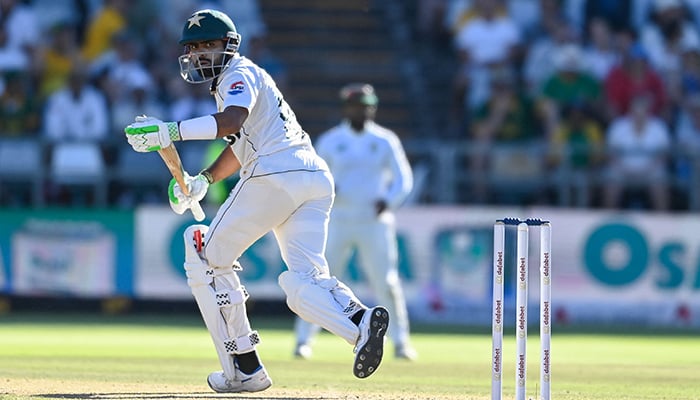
[[206, 54], [204, 60]]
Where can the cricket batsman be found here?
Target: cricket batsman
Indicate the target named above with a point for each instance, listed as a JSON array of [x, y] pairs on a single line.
[[284, 187]]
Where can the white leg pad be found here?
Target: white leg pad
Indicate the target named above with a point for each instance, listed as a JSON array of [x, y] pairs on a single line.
[[323, 301], [242, 344], [221, 300], [226, 298]]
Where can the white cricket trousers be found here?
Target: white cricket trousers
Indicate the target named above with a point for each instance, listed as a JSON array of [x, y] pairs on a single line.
[[291, 198]]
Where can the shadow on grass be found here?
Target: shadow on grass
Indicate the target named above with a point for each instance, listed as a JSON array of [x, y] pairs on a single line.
[[146, 396]]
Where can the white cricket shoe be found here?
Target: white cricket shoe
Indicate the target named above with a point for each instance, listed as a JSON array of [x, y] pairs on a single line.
[[303, 351], [370, 345], [255, 382]]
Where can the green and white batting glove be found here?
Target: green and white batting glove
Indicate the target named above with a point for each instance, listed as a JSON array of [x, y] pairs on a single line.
[[151, 134], [198, 186]]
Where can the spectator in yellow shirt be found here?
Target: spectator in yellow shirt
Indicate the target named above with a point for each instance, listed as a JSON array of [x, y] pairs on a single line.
[[101, 29]]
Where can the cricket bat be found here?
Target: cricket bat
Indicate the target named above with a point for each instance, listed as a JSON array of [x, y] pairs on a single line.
[[172, 159]]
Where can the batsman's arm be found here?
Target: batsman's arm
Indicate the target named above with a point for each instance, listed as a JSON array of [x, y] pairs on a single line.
[[172, 159], [150, 134], [225, 165]]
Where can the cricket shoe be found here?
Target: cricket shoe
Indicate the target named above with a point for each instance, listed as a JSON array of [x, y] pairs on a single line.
[[303, 351], [370, 345], [255, 382]]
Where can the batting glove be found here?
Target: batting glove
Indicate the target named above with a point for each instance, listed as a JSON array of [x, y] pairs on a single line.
[[197, 185], [151, 134]]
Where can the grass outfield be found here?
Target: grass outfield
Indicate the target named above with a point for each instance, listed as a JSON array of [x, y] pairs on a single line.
[[70, 356]]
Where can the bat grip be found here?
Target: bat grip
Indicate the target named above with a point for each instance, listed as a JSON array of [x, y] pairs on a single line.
[[197, 211], [196, 208], [172, 160]]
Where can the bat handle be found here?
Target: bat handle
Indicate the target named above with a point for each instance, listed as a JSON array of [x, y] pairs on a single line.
[[197, 211]]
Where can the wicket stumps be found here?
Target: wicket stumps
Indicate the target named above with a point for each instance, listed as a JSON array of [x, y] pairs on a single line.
[[521, 300]]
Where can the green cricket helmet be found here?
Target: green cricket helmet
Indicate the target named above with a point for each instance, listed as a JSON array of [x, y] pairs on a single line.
[[207, 25]]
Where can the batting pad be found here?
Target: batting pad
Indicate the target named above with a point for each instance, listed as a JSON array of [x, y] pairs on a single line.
[[221, 300], [317, 304]]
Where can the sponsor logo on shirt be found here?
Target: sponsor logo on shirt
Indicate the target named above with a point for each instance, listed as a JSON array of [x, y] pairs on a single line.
[[236, 88]]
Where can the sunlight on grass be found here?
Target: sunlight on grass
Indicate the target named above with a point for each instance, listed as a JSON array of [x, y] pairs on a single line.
[[135, 353]]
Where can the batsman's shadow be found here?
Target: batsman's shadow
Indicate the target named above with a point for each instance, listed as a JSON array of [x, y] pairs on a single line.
[[147, 396]]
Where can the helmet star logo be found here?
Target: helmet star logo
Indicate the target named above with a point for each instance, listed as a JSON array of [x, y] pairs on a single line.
[[194, 20]]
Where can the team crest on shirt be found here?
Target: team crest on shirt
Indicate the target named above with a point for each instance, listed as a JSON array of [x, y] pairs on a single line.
[[236, 88]]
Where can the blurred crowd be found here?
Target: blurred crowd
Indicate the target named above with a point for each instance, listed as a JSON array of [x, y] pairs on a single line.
[[606, 91], [74, 73], [600, 97]]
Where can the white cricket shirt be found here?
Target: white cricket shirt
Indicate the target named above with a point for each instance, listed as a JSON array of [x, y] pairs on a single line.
[[271, 125], [367, 166]]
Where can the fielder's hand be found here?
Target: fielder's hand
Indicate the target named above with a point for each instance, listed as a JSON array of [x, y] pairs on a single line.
[[198, 186], [151, 134]]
